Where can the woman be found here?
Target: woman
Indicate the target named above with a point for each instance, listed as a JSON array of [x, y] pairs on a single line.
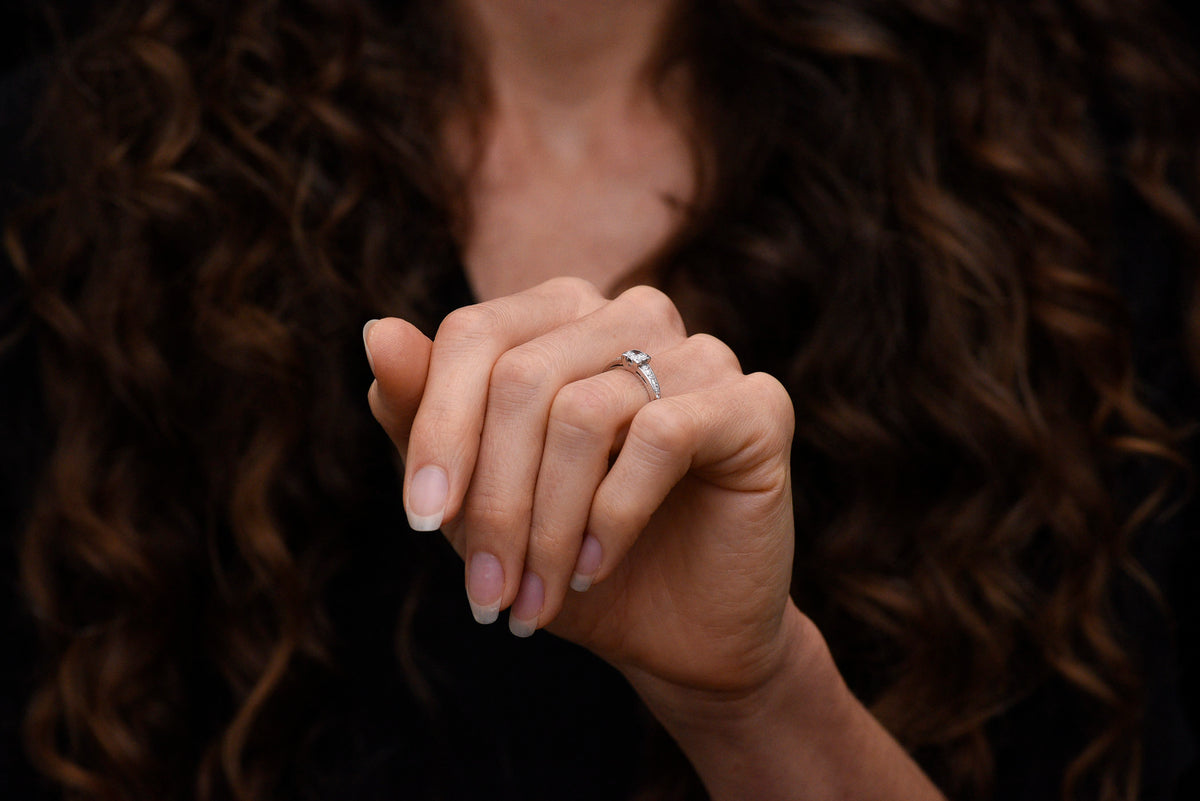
[[915, 216]]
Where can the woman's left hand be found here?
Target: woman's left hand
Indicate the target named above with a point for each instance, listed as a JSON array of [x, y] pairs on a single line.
[[671, 518], [544, 470]]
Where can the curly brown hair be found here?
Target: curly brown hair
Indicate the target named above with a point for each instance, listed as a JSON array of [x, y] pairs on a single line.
[[905, 212]]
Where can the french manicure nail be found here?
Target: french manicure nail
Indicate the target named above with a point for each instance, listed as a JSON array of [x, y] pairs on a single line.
[[366, 331], [427, 498], [523, 617], [485, 587], [587, 564]]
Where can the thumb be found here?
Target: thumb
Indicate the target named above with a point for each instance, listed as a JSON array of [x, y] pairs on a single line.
[[399, 357]]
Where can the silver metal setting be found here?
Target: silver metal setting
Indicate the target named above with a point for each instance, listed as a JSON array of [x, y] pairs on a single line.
[[638, 363]]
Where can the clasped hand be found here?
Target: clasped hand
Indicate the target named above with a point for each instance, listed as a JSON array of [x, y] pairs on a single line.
[[658, 534]]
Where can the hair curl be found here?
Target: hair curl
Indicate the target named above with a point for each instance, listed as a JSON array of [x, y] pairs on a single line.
[[905, 212]]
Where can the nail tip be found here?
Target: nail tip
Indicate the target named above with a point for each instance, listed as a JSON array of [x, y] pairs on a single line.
[[581, 583], [522, 628], [424, 522], [485, 615]]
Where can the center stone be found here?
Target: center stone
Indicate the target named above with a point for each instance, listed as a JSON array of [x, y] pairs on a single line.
[[636, 357]]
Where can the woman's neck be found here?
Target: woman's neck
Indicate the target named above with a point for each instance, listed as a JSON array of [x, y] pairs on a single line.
[[578, 162], [559, 64]]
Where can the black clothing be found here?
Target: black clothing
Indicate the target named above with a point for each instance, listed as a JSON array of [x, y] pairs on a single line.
[[503, 718]]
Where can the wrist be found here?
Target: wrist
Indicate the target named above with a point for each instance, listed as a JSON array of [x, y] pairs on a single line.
[[796, 665], [797, 732]]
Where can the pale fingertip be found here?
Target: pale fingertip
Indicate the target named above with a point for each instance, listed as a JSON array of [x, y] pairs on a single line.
[[424, 522], [523, 617], [522, 628], [590, 556], [366, 332], [485, 587], [485, 615], [426, 502]]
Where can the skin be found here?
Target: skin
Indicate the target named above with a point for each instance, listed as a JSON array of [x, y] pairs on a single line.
[[657, 534], [579, 157]]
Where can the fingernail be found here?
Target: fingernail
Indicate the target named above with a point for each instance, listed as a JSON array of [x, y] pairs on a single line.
[[523, 617], [485, 587], [427, 498], [366, 331], [587, 564]]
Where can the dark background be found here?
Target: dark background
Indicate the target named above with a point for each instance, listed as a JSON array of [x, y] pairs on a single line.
[[25, 32]]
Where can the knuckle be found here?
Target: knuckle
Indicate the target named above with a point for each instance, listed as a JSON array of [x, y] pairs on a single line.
[[472, 323], [715, 353], [771, 390], [523, 372], [613, 517], [547, 549], [775, 401], [584, 408], [654, 304], [608, 510], [571, 286], [663, 428], [440, 423], [486, 515]]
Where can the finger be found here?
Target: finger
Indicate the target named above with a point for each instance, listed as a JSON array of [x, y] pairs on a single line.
[[444, 438], [525, 381], [737, 436], [586, 421], [399, 357]]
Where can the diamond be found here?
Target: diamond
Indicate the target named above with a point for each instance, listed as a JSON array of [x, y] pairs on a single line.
[[635, 357]]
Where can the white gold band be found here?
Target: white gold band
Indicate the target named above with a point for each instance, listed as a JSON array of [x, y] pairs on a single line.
[[638, 363]]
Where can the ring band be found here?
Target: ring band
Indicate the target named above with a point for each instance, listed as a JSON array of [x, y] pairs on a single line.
[[638, 363]]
